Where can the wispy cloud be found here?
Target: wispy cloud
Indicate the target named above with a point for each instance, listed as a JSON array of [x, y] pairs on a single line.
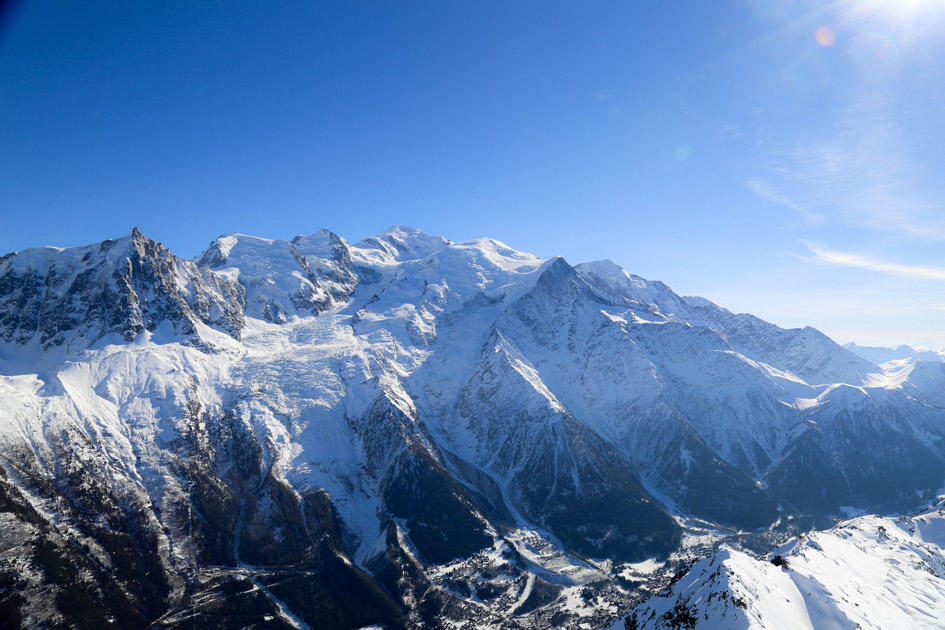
[[866, 163], [847, 259], [762, 190], [864, 176]]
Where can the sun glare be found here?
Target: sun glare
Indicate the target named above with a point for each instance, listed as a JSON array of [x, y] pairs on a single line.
[[888, 29], [900, 8], [898, 5]]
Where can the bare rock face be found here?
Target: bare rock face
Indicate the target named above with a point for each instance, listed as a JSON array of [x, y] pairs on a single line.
[[409, 432], [123, 287]]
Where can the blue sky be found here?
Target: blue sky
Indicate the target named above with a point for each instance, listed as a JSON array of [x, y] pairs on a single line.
[[780, 158]]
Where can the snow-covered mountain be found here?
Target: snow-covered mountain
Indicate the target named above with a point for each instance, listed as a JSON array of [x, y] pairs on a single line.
[[869, 572], [880, 354], [406, 431]]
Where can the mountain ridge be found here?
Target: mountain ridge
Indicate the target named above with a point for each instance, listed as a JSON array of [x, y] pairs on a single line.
[[453, 430], [866, 572]]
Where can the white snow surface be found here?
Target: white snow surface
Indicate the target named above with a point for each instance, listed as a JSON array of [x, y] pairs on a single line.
[[419, 323], [451, 334], [869, 572]]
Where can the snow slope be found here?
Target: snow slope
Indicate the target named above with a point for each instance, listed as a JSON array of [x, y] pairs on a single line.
[[867, 572], [285, 410]]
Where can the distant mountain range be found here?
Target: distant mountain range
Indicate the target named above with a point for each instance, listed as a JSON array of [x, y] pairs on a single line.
[[410, 432], [879, 354]]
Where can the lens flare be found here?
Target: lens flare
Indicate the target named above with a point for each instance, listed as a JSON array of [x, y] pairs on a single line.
[[682, 152], [825, 36]]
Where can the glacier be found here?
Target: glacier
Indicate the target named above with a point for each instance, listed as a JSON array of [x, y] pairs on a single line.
[[407, 431]]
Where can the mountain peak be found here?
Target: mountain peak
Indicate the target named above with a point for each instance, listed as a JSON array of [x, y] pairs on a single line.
[[556, 271], [610, 277], [822, 579], [406, 231], [556, 265], [414, 240], [608, 274], [118, 286], [399, 243], [323, 242], [407, 401]]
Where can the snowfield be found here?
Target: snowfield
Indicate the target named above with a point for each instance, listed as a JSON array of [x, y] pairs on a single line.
[[441, 432], [870, 572]]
